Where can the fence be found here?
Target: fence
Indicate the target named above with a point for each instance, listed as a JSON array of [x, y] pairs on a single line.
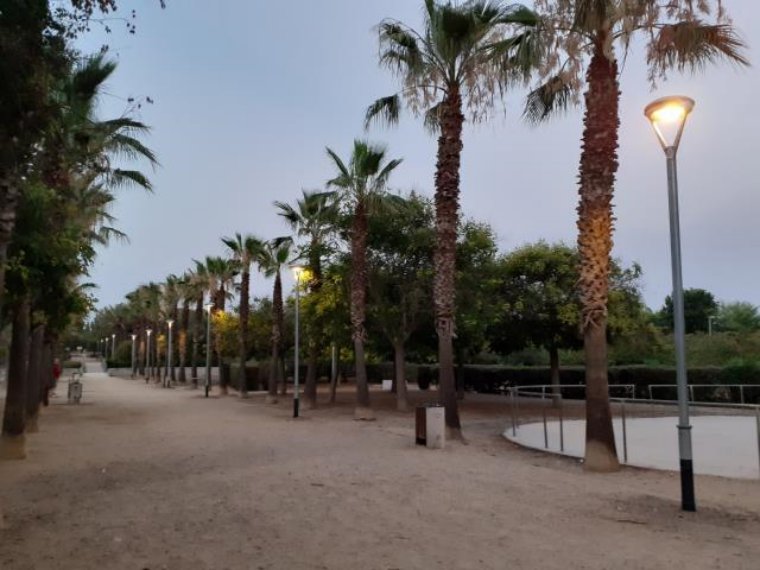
[[549, 405]]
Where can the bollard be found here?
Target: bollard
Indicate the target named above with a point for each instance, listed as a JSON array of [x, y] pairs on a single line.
[[435, 436]]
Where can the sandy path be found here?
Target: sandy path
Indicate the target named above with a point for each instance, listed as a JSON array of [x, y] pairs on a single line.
[[141, 477]]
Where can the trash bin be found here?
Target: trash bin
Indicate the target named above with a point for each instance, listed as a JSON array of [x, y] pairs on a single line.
[[430, 425]]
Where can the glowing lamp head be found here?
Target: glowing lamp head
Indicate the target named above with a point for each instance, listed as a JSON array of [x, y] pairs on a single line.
[[668, 117], [297, 272], [149, 331], [170, 322], [208, 307], [134, 337], [113, 336]]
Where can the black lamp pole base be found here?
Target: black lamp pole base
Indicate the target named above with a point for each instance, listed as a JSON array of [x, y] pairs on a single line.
[[688, 502]]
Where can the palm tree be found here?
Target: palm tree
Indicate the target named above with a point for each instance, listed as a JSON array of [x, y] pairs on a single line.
[[463, 59], [361, 183], [313, 218], [597, 29], [274, 255], [170, 301], [186, 295], [245, 251], [196, 291]]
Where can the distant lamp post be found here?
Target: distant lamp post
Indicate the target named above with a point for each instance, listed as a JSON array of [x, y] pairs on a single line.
[[710, 320], [104, 350], [668, 117], [169, 356], [113, 346], [148, 372], [297, 272], [134, 355], [208, 308]]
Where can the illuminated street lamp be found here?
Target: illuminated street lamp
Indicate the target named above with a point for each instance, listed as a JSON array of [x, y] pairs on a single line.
[[208, 308], [113, 346], [134, 355], [169, 359], [148, 372], [297, 272], [668, 117]]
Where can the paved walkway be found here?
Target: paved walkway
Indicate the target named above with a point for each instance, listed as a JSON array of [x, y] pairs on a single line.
[[140, 477]]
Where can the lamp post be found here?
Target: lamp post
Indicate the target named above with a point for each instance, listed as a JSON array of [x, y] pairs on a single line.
[[169, 355], [104, 351], [297, 271], [113, 346], [668, 117], [710, 320], [134, 355], [208, 308], [148, 373]]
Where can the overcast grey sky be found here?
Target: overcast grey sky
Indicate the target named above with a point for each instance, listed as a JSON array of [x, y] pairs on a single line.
[[248, 94]]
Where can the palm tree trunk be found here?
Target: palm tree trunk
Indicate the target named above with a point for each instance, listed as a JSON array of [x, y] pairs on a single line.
[[359, 231], [12, 443], [219, 303], [598, 167], [446, 220], [183, 335], [197, 331], [310, 386], [245, 283], [9, 196], [34, 378], [173, 370], [275, 368], [399, 361]]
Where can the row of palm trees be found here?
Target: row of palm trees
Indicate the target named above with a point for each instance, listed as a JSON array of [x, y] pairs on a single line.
[[457, 68], [65, 189]]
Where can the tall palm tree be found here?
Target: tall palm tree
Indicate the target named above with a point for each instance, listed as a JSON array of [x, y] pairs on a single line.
[[597, 30], [185, 294], [313, 217], [361, 183], [463, 59], [274, 255], [196, 291], [245, 251], [219, 273], [170, 301]]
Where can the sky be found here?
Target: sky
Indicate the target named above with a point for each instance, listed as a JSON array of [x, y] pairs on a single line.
[[247, 95]]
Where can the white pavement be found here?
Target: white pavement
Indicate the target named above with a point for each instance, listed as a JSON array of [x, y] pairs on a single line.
[[723, 445]]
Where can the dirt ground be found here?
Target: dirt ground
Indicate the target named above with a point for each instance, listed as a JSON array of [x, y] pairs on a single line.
[[140, 477]]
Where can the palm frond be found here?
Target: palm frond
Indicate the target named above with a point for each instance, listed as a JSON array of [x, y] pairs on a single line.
[[119, 177], [693, 45], [553, 96], [432, 120], [385, 109]]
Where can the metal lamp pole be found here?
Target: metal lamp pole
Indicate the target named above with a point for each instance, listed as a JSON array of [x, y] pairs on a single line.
[[134, 355], [113, 346], [208, 348], [668, 117], [169, 356], [297, 272], [710, 320], [148, 373]]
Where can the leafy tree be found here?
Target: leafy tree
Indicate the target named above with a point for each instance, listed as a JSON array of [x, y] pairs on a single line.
[[573, 31], [400, 246], [738, 316], [462, 60], [698, 306], [360, 183], [541, 308]]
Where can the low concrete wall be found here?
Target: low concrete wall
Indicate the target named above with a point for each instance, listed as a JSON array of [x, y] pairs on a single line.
[[127, 372]]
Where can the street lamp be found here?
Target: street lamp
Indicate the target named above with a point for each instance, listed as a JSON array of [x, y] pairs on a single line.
[[710, 320], [208, 308], [148, 372], [113, 346], [134, 354], [668, 117], [297, 271], [167, 378]]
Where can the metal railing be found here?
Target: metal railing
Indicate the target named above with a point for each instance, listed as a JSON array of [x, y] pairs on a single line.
[[552, 395], [691, 387]]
